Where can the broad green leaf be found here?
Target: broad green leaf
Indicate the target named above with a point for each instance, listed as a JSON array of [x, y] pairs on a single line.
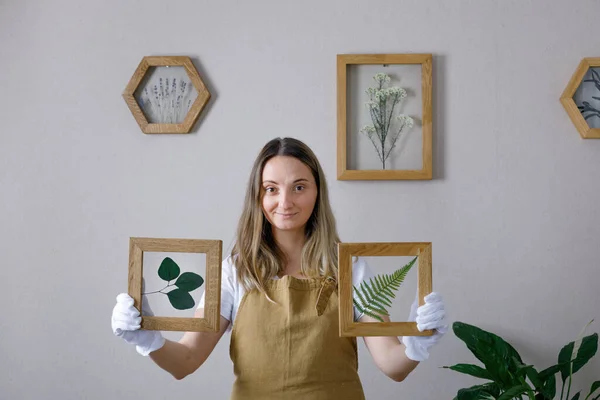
[[534, 377], [470, 369], [522, 369], [576, 397], [180, 299], [588, 348], [550, 371], [168, 269], [547, 377], [499, 357], [595, 386], [488, 391], [513, 392], [548, 389], [189, 281]]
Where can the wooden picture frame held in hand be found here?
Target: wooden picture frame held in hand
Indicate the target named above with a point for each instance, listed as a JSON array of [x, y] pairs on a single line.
[[346, 251], [390, 138], [212, 307]]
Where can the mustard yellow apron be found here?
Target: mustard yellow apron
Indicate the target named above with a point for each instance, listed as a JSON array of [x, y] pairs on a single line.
[[291, 349]]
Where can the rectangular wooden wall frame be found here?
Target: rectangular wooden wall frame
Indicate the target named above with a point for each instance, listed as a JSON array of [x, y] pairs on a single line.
[[212, 308], [343, 60], [346, 310]]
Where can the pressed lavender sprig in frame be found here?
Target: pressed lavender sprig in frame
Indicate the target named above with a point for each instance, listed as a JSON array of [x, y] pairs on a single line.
[[164, 104]]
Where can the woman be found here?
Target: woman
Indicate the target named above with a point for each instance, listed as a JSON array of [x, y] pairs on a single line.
[[279, 299]]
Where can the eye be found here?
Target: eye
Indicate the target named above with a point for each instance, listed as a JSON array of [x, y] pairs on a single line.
[[299, 188], [269, 189]]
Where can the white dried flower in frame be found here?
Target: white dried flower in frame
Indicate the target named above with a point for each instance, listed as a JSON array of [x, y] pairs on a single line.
[[381, 78], [407, 122]]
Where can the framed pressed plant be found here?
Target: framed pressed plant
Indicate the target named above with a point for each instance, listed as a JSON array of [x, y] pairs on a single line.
[[384, 116], [372, 297], [581, 98], [166, 94], [179, 286]]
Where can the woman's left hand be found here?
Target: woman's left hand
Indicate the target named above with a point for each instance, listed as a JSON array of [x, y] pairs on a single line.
[[431, 315]]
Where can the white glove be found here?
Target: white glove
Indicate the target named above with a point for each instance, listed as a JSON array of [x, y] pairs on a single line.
[[431, 315], [126, 322]]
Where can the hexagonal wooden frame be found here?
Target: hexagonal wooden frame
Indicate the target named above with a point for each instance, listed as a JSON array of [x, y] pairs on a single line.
[[569, 104], [196, 108], [346, 310], [212, 304]]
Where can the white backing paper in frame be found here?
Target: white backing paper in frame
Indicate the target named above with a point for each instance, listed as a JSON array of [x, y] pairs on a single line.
[[406, 294], [166, 94], [408, 153], [159, 302]]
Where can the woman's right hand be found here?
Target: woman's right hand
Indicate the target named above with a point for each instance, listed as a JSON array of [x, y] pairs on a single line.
[[126, 322]]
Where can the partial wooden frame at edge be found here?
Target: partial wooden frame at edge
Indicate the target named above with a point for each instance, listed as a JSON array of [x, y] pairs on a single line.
[[213, 250], [346, 310], [569, 105]]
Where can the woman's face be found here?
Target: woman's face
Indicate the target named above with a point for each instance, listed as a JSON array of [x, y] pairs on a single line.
[[289, 193]]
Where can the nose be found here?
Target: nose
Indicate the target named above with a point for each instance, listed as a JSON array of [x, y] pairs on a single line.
[[286, 200]]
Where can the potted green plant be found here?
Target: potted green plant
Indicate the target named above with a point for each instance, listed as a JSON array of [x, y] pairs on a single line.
[[510, 378]]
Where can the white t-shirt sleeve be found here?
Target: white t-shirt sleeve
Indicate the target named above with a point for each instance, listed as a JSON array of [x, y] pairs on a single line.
[[228, 290], [360, 272]]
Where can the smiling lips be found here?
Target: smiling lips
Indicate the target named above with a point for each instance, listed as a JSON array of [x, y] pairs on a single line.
[[286, 215]]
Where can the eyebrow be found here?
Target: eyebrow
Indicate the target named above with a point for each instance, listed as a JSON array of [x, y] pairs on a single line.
[[296, 181]]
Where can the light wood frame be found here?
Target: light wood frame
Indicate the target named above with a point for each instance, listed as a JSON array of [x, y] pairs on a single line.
[[196, 108], [346, 310], [212, 309], [343, 60], [569, 104]]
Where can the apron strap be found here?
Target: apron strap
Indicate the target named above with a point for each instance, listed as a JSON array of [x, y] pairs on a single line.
[[327, 287]]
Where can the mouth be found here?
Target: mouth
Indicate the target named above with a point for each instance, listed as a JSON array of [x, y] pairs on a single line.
[[286, 215]]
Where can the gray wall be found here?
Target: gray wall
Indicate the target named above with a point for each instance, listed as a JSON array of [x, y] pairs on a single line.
[[513, 212]]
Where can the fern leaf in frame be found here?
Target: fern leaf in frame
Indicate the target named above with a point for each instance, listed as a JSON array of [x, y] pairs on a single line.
[[376, 295]]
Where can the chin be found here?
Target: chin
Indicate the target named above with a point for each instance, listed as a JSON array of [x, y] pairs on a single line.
[[297, 223], [288, 227]]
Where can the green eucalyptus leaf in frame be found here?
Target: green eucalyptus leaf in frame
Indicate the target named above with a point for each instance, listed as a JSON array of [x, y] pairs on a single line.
[[180, 299], [168, 269], [189, 281]]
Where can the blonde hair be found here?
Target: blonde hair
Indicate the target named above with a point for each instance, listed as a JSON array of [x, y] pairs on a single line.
[[256, 255]]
